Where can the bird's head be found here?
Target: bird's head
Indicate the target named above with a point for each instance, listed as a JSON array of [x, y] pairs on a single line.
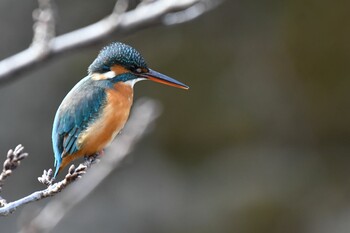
[[119, 62]]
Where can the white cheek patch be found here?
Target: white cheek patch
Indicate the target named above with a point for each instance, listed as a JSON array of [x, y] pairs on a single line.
[[109, 74], [133, 81]]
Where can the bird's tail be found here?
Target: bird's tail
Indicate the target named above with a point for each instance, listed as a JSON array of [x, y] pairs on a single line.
[[57, 166]]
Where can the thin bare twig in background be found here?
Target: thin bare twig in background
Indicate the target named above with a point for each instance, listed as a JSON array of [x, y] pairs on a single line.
[[44, 26], [144, 113], [120, 21], [12, 161]]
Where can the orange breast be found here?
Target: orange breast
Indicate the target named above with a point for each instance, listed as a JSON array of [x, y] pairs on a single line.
[[113, 118], [102, 131]]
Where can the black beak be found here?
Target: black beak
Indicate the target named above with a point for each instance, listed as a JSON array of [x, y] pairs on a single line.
[[161, 78]]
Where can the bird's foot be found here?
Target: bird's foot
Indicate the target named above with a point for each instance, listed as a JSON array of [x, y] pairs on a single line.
[[92, 159]]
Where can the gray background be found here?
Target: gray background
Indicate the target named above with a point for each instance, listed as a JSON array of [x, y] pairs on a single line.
[[260, 143]]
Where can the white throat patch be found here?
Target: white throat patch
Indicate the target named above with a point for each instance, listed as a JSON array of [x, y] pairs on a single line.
[[133, 81]]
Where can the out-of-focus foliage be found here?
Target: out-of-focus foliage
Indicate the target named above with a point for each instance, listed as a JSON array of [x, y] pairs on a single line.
[[260, 143]]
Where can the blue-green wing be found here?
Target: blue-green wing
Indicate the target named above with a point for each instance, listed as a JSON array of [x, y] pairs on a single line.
[[80, 107]]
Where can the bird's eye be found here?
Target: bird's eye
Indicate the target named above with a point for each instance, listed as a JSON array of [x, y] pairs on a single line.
[[106, 68], [138, 70]]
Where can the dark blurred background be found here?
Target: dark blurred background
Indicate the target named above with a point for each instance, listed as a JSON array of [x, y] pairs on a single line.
[[259, 144]]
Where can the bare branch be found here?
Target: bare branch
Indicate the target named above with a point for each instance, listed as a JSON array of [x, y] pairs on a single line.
[[120, 21], [73, 174], [191, 12]]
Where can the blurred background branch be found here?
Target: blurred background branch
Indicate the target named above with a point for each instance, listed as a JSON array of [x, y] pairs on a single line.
[[121, 22]]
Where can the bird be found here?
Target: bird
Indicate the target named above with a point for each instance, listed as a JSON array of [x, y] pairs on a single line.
[[96, 109]]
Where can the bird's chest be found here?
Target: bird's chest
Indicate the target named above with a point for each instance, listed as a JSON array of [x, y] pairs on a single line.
[[111, 120]]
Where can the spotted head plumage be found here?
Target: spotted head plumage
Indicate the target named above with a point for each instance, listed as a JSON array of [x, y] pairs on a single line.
[[117, 53]]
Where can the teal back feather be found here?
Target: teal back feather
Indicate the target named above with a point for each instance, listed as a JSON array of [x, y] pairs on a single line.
[[81, 107]]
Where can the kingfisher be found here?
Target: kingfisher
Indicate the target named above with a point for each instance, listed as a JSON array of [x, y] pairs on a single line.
[[98, 106]]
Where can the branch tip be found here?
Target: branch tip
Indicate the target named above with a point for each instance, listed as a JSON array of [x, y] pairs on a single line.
[[47, 177], [13, 160]]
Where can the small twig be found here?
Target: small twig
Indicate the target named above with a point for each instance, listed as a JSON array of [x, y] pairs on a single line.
[[12, 161], [52, 189], [47, 177], [120, 7], [44, 25], [144, 113]]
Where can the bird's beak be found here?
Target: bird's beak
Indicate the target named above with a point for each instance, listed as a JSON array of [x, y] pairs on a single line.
[[161, 78]]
